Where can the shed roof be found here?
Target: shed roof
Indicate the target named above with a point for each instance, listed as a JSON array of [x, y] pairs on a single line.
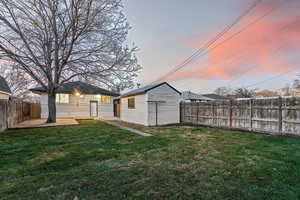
[[82, 87], [4, 86], [188, 95], [146, 88]]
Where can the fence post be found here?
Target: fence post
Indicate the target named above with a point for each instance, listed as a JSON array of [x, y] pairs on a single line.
[[182, 112], [230, 113], [280, 115], [213, 113], [251, 114], [197, 113]]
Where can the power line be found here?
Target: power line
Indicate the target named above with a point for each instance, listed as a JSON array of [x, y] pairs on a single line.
[[251, 68], [270, 79], [211, 42], [240, 31], [276, 51]]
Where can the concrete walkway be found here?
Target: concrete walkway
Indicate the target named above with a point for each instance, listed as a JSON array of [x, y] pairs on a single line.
[[38, 123], [128, 129]]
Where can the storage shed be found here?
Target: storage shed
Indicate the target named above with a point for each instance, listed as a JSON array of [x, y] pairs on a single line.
[[152, 105]]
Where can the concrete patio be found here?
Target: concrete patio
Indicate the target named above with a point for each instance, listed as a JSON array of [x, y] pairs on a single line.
[[38, 123]]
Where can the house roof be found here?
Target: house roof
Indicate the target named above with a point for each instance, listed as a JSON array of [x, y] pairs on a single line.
[[4, 86], [83, 88], [215, 97], [146, 88], [188, 95]]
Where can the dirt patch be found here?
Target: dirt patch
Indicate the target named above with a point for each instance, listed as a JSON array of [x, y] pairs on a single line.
[[117, 163], [49, 156], [201, 154], [124, 142], [189, 134]]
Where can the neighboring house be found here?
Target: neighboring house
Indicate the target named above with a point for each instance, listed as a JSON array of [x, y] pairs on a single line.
[[79, 100], [28, 96], [188, 96], [4, 89], [156, 104], [215, 97]]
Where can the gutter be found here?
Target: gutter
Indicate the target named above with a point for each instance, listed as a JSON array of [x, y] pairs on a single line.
[[5, 92]]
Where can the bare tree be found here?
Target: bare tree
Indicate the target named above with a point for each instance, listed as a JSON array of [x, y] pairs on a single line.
[[223, 91], [296, 84], [17, 80], [286, 90], [55, 41], [244, 93]]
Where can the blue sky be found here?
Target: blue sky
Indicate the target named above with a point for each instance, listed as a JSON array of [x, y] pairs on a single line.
[[163, 29]]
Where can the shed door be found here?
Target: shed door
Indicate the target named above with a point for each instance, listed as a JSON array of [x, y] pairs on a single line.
[[94, 108]]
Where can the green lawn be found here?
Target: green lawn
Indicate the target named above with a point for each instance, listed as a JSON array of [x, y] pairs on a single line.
[[98, 161]]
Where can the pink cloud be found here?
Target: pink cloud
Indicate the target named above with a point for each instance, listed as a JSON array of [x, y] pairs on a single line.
[[264, 45]]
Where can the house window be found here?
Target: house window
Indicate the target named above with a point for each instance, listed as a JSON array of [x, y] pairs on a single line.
[[131, 103], [105, 99], [96, 97], [62, 98]]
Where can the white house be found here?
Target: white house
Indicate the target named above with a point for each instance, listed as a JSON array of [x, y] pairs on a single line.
[[79, 100], [152, 105], [4, 89]]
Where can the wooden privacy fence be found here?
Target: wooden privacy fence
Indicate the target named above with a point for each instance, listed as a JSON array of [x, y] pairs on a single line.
[[278, 116], [13, 112]]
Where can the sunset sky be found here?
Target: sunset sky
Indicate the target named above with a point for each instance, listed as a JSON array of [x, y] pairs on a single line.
[[169, 31]]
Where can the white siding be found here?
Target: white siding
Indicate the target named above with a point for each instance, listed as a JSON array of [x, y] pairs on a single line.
[[106, 110], [145, 111], [168, 112], [76, 107], [44, 106], [138, 115]]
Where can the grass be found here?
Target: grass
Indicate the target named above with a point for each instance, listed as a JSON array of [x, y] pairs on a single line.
[[98, 161]]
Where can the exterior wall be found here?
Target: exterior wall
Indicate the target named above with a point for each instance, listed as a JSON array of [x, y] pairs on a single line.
[[4, 96], [77, 107], [138, 115], [106, 110], [167, 112]]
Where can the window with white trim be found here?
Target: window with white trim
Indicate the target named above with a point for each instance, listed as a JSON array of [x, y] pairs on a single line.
[[105, 99], [97, 97], [62, 98], [131, 103]]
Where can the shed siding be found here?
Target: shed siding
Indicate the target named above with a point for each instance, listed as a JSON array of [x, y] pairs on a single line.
[[76, 107], [168, 112], [4, 96], [138, 115]]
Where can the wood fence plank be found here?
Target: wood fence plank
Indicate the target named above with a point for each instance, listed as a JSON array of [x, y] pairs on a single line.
[[13, 112], [271, 115]]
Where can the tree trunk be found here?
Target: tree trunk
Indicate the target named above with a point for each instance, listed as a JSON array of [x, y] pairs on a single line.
[[51, 108]]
